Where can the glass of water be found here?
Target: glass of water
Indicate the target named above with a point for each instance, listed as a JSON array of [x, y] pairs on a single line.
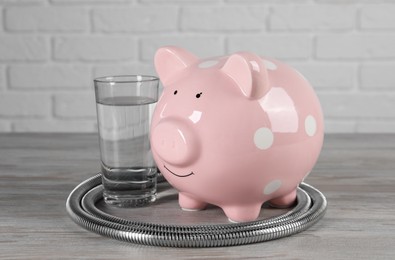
[[124, 107]]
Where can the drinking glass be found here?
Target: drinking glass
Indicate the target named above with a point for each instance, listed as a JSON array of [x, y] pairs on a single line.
[[124, 107]]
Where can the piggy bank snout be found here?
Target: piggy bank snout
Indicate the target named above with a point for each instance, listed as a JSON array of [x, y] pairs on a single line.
[[175, 142]]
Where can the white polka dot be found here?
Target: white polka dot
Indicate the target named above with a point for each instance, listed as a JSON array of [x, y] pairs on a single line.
[[263, 138], [207, 64], [255, 65], [272, 187], [270, 65], [310, 125]]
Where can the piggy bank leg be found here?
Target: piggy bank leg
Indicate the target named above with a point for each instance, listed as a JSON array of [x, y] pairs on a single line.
[[285, 201], [242, 213], [189, 203]]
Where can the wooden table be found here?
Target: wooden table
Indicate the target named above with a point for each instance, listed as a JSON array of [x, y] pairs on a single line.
[[37, 172]]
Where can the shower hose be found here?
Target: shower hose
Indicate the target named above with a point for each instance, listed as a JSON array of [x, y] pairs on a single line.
[[81, 206]]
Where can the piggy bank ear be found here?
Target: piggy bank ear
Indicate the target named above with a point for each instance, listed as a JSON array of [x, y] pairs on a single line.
[[249, 73], [171, 60]]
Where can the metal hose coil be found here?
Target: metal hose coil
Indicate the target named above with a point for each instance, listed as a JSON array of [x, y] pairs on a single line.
[[311, 207]]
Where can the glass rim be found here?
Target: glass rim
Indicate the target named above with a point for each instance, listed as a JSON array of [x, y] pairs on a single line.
[[126, 79]]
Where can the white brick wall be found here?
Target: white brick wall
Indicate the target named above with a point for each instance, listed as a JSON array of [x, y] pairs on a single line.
[[312, 17], [50, 50], [23, 48], [93, 48], [46, 19], [48, 76], [207, 18], [18, 105], [148, 19], [378, 17], [282, 46], [72, 106]]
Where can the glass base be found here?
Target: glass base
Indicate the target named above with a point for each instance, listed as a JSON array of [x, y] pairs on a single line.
[[127, 201], [129, 187]]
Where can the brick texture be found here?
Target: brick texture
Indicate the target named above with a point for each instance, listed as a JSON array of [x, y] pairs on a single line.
[[49, 76], [233, 18], [21, 2], [367, 126], [378, 17], [50, 51], [378, 76], [5, 126], [23, 48], [340, 126], [127, 69], [295, 46], [135, 19], [51, 19], [1, 20], [213, 45], [24, 105], [3, 83], [364, 105], [332, 76], [356, 46], [94, 48], [181, 1], [76, 105], [309, 17], [93, 2]]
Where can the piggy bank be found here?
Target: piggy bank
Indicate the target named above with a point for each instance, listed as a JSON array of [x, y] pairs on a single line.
[[234, 131]]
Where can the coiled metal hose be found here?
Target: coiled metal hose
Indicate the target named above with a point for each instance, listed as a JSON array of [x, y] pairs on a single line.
[[311, 207]]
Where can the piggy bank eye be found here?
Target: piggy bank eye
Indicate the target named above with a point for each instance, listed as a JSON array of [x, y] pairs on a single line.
[[175, 92], [199, 95]]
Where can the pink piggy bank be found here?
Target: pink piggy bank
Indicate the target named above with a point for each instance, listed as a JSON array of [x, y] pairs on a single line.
[[234, 131]]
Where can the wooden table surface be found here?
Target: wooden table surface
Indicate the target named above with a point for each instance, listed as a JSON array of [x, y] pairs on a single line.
[[37, 172]]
